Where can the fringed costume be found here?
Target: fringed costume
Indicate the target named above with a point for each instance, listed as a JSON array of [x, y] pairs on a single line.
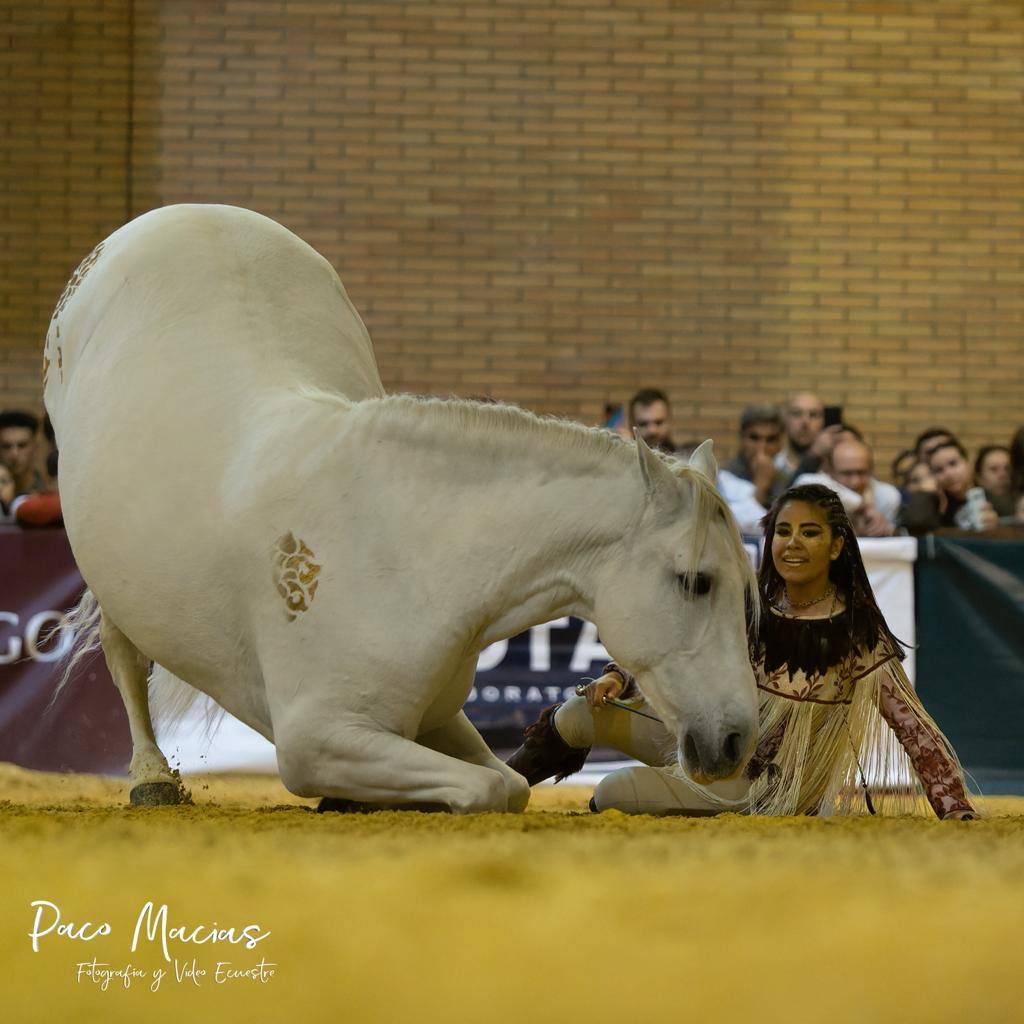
[[834, 726]]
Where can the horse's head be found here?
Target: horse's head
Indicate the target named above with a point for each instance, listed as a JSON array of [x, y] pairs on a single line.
[[670, 608]]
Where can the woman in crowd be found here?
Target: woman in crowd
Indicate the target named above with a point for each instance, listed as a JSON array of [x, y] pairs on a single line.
[[1017, 461], [836, 706], [947, 504], [994, 472]]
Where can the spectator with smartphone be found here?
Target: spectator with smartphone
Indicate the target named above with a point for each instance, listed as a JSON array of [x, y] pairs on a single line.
[[816, 458], [956, 502]]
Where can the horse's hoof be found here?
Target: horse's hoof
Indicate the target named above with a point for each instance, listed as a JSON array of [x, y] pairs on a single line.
[[155, 794], [332, 803]]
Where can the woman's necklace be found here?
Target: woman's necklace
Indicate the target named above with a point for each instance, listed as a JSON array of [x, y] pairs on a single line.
[[794, 606]]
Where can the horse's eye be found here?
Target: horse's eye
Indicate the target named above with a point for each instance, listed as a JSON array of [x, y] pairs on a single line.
[[695, 584]]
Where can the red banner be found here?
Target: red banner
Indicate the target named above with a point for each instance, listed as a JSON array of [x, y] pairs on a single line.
[[86, 730]]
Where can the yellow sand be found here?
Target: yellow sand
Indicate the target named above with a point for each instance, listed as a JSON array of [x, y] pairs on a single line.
[[554, 915]]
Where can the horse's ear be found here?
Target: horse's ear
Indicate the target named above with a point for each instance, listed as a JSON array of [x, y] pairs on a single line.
[[703, 460], [654, 472]]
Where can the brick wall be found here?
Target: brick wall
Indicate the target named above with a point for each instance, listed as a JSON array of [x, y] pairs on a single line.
[[64, 79], [557, 203]]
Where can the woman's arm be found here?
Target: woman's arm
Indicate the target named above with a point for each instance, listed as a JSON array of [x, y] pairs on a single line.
[[938, 771], [767, 748]]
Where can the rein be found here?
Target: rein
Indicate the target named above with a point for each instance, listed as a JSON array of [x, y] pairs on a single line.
[[633, 711]]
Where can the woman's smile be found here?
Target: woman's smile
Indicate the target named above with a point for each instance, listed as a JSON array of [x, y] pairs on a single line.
[[803, 549]]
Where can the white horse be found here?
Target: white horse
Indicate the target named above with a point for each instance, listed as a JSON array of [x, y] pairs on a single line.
[[252, 514]]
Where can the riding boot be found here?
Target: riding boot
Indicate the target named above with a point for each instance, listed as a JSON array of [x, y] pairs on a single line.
[[544, 753]]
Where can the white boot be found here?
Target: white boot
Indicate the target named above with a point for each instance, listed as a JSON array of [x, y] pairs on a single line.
[[644, 790]]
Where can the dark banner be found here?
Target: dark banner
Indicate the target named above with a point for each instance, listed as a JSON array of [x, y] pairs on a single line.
[[516, 678], [87, 728], [970, 663]]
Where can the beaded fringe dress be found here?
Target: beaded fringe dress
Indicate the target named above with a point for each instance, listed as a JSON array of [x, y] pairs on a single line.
[[838, 724]]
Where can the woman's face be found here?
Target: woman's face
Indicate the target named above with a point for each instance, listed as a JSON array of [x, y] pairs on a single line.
[[952, 471], [803, 547], [6, 485], [994, 472]]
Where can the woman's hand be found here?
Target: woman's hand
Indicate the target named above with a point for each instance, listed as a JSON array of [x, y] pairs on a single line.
[[610, 685]]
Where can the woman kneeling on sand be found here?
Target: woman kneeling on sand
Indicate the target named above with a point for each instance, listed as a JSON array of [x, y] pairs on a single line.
[[837, 709]]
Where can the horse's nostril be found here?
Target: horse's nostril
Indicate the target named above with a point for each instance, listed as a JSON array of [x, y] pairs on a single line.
[[690, 750], [733, 747]]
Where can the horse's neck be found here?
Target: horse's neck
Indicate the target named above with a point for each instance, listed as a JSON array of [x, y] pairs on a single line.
[[554, 530], [527, 517]]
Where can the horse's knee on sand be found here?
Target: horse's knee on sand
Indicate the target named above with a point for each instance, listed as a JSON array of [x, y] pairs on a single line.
[[298, 771], [517, 789], [311, 769], [494, 795]]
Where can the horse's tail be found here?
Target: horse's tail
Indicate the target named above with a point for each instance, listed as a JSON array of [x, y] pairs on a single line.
[[83, 622], [171, 699]]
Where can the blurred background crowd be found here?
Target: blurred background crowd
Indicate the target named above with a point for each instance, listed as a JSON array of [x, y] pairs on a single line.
[[934, 483]]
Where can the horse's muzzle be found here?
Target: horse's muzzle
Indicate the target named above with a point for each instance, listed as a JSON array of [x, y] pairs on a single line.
[[708, 757]]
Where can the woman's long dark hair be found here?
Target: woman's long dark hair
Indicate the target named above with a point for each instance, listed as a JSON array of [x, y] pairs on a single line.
[[814, 645]]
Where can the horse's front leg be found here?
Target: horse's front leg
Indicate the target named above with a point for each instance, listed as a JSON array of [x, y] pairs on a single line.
[[351, 758], [458, 737]]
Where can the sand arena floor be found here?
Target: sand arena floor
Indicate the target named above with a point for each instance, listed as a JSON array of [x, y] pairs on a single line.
[[555, 915]]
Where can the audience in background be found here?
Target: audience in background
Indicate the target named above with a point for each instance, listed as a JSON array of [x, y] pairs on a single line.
[[936, 486], [751, 481], [993, 472], [948, 505], [18, 443], [872, 505], [920, 479], [804, 417], [816, 458], [650, 414], [7, 490], [928, 440], [902, 466], [42, 507], [1017, 461]]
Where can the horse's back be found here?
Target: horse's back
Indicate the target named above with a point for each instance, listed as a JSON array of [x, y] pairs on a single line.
[[211, 295]]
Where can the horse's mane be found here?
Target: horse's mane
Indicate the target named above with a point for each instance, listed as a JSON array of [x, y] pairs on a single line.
[[500, 420], [497, 420]]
